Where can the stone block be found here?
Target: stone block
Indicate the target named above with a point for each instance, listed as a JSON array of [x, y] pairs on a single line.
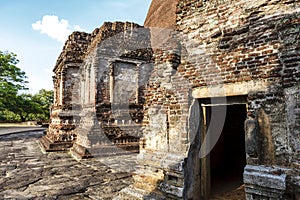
[[48, 145], [264, 182]]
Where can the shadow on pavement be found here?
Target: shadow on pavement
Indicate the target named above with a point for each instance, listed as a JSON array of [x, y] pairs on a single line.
[[21, 135]]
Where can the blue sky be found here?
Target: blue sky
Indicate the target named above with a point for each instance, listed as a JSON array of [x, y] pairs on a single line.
[[36, 29]]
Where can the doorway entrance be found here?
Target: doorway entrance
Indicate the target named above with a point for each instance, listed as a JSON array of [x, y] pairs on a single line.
[[223, 167], [228, 157]]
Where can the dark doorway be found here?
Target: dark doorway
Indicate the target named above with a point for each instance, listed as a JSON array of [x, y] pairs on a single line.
[[228, 157]]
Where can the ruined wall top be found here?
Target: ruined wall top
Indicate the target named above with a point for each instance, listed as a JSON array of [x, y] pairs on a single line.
[[273, 6], [162, 14], [116, 40], [107, 30], [74, 49], [80, 44]]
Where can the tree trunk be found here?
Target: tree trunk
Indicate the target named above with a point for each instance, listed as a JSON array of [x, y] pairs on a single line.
[[23, 119]]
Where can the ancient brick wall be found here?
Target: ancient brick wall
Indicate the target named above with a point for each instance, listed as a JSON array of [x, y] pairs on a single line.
[[66, 69], [225, 48], [61, 132], [240, 42], [71, 57], [74, 49], [112, 85], [161, 14], [245, 41], [135, 82]]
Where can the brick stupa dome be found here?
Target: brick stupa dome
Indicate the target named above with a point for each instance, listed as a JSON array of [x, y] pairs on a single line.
[[162, 14]]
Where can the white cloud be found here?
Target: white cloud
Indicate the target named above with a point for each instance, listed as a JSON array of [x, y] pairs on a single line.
[[78, 28], [55, 28]]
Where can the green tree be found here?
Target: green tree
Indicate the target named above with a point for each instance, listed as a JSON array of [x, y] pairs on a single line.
[[12, 79], [22, 105], [44, 100], [13, 104], [27, 107]]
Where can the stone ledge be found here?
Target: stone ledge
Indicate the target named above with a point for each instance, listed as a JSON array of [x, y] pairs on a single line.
[[176, 192], [162, 160], [264, 181], [102, 151], [47, 145], [79, 152], [230, 89], [138, 194]]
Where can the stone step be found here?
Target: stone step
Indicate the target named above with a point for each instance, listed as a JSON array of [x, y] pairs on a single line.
[[79, 152], [131, 193], [48, 146]]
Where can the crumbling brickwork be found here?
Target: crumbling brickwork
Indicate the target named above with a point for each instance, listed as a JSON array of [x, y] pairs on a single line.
[[161, 14], [170, 93], [99, 91], [61, 133], [225, 49]]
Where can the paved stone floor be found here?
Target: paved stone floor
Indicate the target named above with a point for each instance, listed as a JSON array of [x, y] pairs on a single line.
[[14, 129], [27, 173]]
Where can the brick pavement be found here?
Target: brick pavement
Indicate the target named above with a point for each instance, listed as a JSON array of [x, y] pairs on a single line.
[[27, 173]]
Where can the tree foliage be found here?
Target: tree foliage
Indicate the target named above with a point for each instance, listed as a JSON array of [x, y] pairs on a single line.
[[22, 105], [43, 101], [10, 73], [27, 107], [12, 79], [15, 105]]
